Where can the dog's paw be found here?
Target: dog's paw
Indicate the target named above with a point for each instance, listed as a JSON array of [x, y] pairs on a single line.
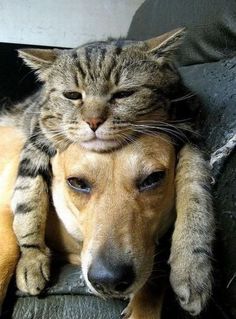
[[191, 280], [33, 271], [126, 313]]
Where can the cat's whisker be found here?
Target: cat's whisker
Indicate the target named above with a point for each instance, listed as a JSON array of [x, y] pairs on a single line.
[[165, 124], [154, 134], [174, 128], [123, 138], [176, 134], [177, 128], [126, 138], [183, 98]]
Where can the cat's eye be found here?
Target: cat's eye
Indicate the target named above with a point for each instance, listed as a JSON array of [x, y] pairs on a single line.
[[73, 95], [151, 181], [122, 94], [79, 185]]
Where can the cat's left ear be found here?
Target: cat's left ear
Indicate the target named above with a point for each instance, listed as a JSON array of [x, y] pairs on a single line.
[[164, 46], [39, 60]]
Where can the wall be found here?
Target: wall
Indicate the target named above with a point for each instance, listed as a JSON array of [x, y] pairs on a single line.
[[65, 23]]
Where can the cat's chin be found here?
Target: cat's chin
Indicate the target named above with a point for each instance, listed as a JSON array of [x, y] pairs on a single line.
[[99, 145]]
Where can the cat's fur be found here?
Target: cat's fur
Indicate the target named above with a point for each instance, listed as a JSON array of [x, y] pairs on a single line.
[[102, 95]]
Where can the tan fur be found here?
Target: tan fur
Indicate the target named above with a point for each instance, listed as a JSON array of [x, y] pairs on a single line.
[[10, 147], [116, 207], [116, 214]]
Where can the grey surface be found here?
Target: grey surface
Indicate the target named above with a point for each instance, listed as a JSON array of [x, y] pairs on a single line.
[[68, 279], [67, 306], [67, 298], [211, 26], [215, 84], [225, 203]]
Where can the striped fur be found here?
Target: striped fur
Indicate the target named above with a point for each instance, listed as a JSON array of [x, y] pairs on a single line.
[[128, 88]]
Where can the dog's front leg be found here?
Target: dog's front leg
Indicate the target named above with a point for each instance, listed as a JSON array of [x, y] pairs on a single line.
[[9, 250], [147, 303]]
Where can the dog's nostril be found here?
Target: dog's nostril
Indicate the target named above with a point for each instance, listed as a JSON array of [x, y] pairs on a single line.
[[111, 278], [122, 286]]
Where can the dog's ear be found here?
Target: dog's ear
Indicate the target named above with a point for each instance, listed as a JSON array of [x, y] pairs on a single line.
[[164, 46], [39, 60]]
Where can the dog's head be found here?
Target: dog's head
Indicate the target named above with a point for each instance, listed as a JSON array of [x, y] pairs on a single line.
[[118, 204]]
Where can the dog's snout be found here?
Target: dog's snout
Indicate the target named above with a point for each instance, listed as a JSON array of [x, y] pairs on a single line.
[[108, 278]]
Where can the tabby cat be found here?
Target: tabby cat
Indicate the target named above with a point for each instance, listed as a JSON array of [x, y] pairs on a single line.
[[103, 95]]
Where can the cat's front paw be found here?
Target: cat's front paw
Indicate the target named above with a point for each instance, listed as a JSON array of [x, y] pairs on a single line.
[[33, 271], [191, 280]]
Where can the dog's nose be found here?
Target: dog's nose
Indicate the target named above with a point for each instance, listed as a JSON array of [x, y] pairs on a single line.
[[94, 123], [111, 278]]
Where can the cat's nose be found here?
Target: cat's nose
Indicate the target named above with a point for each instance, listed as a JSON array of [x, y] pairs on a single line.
[[94, 122]]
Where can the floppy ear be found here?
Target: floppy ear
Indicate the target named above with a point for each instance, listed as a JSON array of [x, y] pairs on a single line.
[[39, 60], [164, 46]]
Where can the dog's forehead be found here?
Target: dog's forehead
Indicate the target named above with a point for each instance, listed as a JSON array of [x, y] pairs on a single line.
[[145, 154]]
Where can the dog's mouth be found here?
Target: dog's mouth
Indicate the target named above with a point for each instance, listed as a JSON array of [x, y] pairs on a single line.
[[106, 294]]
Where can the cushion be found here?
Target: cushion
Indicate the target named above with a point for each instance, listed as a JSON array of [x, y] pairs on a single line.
[[211, 27]]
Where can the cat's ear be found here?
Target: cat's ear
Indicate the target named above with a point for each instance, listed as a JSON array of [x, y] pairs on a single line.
[[164, 46], [39, 60]]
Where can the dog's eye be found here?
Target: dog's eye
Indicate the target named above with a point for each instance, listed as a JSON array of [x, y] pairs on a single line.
[[152, 181], [79, 185], [122, 95], [73, 95]]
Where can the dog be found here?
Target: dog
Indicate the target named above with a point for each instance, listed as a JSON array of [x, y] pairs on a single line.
[[111, 210]]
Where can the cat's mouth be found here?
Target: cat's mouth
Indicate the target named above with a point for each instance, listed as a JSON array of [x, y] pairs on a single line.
[[101, 145]]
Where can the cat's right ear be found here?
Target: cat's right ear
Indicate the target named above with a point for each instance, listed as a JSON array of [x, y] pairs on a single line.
[[39, 60], [163, 47]]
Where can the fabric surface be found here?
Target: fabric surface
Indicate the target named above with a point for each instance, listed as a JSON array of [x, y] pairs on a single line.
[[211, 27], [215, 84], [67, 298]]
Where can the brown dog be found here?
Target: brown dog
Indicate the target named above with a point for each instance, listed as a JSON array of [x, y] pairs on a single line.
[[112, 209]]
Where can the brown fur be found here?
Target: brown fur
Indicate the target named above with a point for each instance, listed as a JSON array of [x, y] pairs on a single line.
[[115, 215], [10, 147]]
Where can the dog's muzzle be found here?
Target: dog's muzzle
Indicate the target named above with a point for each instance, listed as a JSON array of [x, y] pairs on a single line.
[[111, 278]]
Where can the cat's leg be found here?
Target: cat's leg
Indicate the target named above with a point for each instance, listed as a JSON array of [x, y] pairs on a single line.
[[30, 205], [191, 251], [147, 303]]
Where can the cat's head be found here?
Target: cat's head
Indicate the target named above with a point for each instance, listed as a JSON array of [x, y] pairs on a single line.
[[103, 94]]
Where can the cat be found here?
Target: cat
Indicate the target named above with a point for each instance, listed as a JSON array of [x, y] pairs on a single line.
[[103, 95]]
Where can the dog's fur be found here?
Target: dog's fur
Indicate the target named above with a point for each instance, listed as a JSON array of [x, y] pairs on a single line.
[[115, 221]]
